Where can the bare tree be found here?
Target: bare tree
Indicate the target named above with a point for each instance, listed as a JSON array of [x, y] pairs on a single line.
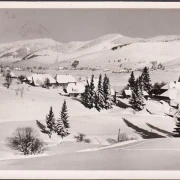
[[26, 141]]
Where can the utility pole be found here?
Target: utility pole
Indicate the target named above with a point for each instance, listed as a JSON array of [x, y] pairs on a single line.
[[119, 136]]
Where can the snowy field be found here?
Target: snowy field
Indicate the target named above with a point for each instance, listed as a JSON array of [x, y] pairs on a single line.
[[17, 111]]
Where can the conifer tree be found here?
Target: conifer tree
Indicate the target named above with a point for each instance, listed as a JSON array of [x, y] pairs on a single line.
[[62, 122], [99, 95], [140, 82], [177, 129], [46, 83], [139, 92], [85, 96], [133, 99], [107, 93], [146, 80], [50, 121], [8, 79], [136, 100], [131, 81], [96, 101], [64, 115], [91, 93]]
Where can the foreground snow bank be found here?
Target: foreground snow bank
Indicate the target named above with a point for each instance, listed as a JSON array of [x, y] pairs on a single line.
[[111, 146]]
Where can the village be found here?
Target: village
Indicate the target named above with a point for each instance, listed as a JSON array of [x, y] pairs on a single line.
[[67, 85]]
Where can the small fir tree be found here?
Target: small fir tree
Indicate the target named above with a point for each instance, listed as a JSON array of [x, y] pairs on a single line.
[[177, 128], [140, 82], [146, 80], [63, 123], [131, 81], [140, 96], [96, 101], [46, 83], [99, 95], [86, 96], [91, 93], [107, 93], [8, 80], [137, 100], [50, 121], [64, 115]]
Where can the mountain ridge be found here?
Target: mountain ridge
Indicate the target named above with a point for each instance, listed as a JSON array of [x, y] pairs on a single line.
[[47, 51]]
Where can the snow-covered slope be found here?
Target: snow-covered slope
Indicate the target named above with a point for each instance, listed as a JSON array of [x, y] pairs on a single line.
[[112, 51]]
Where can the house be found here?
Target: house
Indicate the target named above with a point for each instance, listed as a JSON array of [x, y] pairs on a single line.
[[105, 70], [171, 94], [75, 89], [60, 68], [123, 71], [171, 85], [128, 93], [18, 69], [64, 80], [39, 79]]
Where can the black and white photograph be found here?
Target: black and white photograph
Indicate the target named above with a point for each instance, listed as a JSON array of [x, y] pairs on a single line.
[[89, 89]]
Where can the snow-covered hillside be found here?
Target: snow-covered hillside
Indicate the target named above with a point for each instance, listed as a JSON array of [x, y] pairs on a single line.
[[110, 51]]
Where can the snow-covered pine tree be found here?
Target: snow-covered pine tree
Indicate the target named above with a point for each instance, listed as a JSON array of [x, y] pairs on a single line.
[[50, 121], [133, 99], [85, 96], [137, 100], [131, 81], [60, 129], [146, 80], [46, 83], [99, 95], [62, 122], [177, 128], [139, 93], [8, 79], [107, 93], [91, 93], [141, 84], [96, 101], [64, 115]]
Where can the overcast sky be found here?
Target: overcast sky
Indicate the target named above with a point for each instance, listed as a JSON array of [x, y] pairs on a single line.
[[80, 25]]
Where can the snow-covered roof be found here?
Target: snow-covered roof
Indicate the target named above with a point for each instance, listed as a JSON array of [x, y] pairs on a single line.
[[170, 93], [60, 68], [173, 103], [171, 85], [63, 79], [39, 79], [128, 92], [19, 69], [77, 88]]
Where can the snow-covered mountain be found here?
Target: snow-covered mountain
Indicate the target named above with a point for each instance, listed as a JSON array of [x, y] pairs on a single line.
[[110, 51]]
